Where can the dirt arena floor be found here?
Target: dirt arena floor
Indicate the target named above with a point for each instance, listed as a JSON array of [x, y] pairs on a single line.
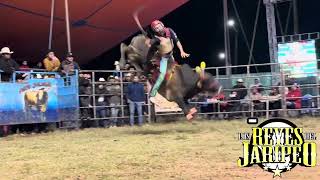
[[182, 150]]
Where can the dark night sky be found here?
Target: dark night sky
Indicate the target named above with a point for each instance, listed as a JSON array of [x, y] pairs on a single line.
[[199, 25]]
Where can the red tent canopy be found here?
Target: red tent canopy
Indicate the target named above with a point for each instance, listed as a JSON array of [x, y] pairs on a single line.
[[96, 25]]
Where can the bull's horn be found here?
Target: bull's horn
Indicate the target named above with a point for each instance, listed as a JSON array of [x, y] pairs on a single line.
[[202, 65], [198, 69], [220, 89]]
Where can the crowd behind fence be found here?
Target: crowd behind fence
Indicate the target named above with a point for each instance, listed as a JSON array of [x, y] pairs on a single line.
[[274, 94], [103, 93]]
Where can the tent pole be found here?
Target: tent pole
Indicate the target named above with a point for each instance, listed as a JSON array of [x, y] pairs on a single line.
[[67, 24], [51, 24]]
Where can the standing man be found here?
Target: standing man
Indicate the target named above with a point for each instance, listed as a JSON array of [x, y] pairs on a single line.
[[136, 97], [165, 38], [7, 65], [69, 66]]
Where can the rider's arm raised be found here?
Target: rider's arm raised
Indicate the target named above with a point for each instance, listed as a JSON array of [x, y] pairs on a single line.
[[178, 43]]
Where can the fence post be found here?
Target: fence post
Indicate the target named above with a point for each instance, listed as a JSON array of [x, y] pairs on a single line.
[[94, 95], [283, 94], [149, 108], [121, 101], [317, 86]]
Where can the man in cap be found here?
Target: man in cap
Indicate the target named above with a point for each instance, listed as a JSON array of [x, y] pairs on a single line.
[[117, 68], [69, 66], [164, 40], [7, 64], [240, 92], [240, 89]]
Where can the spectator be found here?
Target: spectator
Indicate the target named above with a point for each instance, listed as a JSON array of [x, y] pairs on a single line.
[[256, 97], [115, 100], [219, 104], [240, 89], [257, 85], [294, 97], [136, 98], [101, 86], [205, 106], [143, 78], [38, 66], [290, 80], [51, 62], [234, 105], [69, 66], [24, 66], [275, 101], [85, 100], [7, 64], [126, 68], [132, 71], [117, 68], [101, 111], [128, 77]]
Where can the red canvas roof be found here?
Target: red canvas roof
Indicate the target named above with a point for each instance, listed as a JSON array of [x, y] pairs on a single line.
[[96, 25]]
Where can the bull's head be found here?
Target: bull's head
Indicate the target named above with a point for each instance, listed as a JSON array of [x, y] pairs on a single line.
[[211, 85]]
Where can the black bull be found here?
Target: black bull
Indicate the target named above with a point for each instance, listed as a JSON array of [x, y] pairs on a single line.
[[184, 82]]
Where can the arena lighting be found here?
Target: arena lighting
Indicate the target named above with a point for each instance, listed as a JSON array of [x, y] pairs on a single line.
[[231, 23], [222, 55]]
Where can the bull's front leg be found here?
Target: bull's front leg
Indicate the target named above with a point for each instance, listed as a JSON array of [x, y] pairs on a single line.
[[188, 112]]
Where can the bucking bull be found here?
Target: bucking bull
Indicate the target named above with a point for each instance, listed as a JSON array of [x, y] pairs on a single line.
[[181, 82]]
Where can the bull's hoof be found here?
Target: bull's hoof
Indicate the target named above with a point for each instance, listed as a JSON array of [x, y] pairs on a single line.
[[189, 117], [193, 111]]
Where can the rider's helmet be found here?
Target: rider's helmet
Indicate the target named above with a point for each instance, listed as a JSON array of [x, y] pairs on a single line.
[[154, 25]]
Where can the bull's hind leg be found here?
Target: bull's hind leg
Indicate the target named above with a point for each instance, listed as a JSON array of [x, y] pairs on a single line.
[[123, 49]]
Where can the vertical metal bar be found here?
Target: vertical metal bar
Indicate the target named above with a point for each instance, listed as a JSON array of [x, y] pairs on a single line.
[[236, 51], [217, 73], [248, 91], [94, 95], [267, 109], [226, 37], [66, 6], [51, 24], [149, 107], [283, 94], [295, 17], [317, 87], [121, 101], [272, 32], [76, 87]]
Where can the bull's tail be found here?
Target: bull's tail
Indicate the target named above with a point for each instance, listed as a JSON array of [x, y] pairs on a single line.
[[136, 19]]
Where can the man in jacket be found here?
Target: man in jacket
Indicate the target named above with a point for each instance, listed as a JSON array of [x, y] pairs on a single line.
[[136, 98], [69, 66], [7, 64], [294, 97]]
